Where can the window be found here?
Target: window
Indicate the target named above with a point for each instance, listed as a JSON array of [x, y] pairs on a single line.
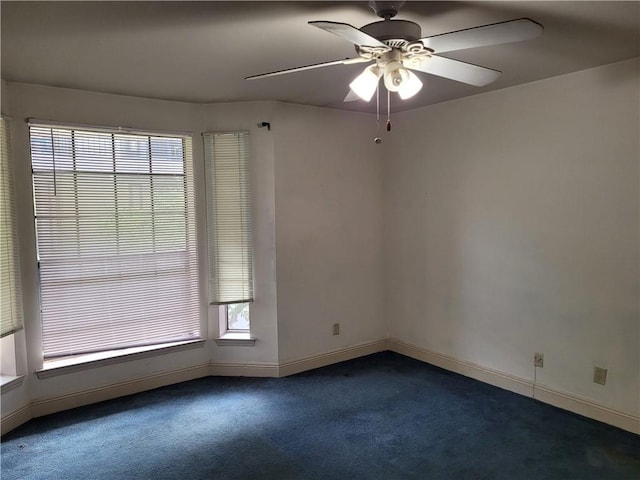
[[116, 239], [236, 317], [230, 227], [10, 299]]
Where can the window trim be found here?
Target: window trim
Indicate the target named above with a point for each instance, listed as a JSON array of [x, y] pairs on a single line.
[[107, 128], [188, 166], [225, 312], [78, 363], [228, 341], [233, 337], [12, 269], [9, 382]]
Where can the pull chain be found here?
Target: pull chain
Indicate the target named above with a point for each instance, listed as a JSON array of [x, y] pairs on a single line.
[[388, 111], [377, 140], [378, 108]]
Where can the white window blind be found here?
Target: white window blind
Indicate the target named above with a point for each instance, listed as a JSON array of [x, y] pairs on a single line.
[[10, 299], [229, 217], [116, 239]]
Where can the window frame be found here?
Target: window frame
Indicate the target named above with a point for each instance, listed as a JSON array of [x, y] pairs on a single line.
[[227, 160], [190, 224], [223, 313], [15, 322], [232, 338]]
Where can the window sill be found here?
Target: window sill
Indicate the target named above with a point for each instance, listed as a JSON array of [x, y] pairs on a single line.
[[235, 339], [76, 363], [9, 382]]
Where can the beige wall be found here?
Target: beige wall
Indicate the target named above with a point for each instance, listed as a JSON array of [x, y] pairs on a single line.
[[485, 229], [77, 107], [347, 237], [328, 224], [264, 317], [512, 227]]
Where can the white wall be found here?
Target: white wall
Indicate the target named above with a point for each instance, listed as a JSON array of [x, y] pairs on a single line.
[[14, 352], [75, 107], [328, 229], [510, 224], [78, 107], [328, 173], [511, 227], [264, 311]]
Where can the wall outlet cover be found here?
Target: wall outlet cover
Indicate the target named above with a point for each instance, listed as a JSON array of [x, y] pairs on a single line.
[[538, 359], [599, 375]]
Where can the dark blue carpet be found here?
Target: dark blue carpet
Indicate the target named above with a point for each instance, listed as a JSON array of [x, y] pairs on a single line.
[[384, 416]]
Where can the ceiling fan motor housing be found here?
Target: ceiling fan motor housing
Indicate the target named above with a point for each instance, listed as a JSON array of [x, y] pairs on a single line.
[[396, 46], [386, 9], [395, 33]]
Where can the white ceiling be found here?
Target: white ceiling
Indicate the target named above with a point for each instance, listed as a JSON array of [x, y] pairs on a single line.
[[201, 51]]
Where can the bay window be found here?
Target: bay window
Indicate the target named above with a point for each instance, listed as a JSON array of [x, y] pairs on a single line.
[[116, 238], [229, 224]]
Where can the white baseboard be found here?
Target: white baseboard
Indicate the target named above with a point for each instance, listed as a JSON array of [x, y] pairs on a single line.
[[297, 366], [46, 406], [587, 408], [324, 359], [15, 419], [520, 385], [503, 380], [114, 390]]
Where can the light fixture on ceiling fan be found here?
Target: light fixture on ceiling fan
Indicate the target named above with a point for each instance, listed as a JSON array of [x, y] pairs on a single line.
[[397, 47]]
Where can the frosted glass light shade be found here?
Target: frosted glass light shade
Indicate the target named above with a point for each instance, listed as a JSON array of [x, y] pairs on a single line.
[[410, 87], [366, 83]]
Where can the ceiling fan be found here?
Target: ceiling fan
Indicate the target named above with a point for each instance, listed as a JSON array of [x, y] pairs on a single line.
[[394, 48]]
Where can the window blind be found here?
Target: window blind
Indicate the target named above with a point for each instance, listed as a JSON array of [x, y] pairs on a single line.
[[229, 217], [10, 298], [116, 239]]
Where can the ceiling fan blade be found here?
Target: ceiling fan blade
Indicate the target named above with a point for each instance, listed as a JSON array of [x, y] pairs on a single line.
[[350, 33], [351, 96], [346, 61], [496, 33], [457, 70]]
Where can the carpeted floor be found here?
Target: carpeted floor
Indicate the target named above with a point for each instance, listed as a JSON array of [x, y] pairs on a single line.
[[384, 416]]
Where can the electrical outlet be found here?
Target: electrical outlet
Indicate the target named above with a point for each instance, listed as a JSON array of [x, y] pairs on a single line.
[[599, 375], [336, 329], [538, 360]]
